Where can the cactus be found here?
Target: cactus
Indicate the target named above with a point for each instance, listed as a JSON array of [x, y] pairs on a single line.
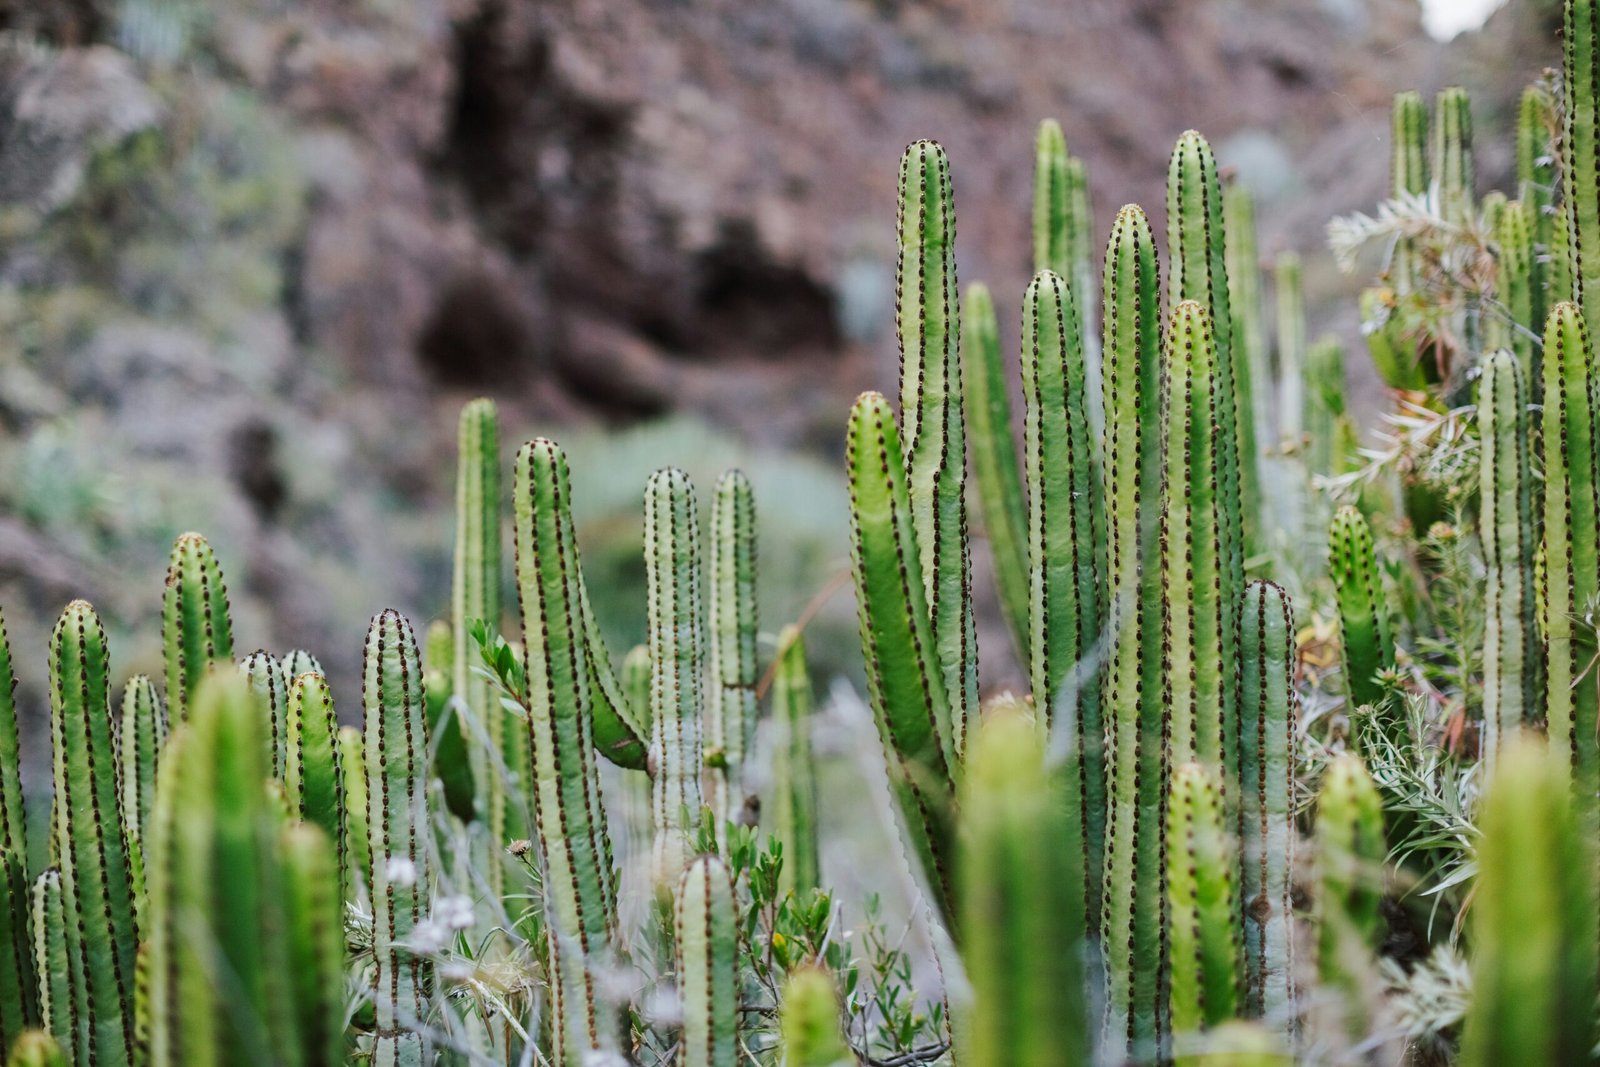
[[794, 780], [1065, 554], [195, 624], [272, 694], [452, 759], [1324, 420], [314, 934], [1244, 304], [36, 1049], [1520, 289], [904, 680], [1571, 517], [18, 1001], [96, 876], [1533, 918], [1349, 874], [355, 839], [1453, 165], [1511, 653], [1291, 323], [296, 662], [1132, 921], [730, 713], [313, 778], [1268, 708], [931, 426], [580, 896], [1366, 648], [707, 942], [1389, 336], [396, 749], [1580, 152], [1022, 913], [1204, 923], [994, 460], [810, 1022], [52, 963], [1063, 240]]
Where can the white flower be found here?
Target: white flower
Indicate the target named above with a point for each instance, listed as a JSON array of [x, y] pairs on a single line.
[[400, 871], [453, 913], [428, 937]]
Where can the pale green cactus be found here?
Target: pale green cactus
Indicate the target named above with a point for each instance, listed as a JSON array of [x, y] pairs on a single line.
[[810, 1022], [313, 778], [197, 629], [1366, 646], [731, 708], [794, 779], [272, 694], [52, 962], [19, 1006], [1349, 870], [357, 842], [1203, 928], [707, 940]]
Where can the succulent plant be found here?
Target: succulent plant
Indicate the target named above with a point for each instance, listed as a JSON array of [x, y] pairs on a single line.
[[731, 707], [1349, 869], [1203, 908], [811, 1036], [707, 941], [794, 780], [18, 997], [196, 627]]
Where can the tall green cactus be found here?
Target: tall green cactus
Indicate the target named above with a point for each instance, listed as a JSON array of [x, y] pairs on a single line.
[[1324, 419], [196, 627], [1580, 152], [1453, 166], [730, 714], [1063, 240], [794, 779], [707, 940], [52, 963], [313, 931], [810, 1022], [1268, 708], [96, 876], [1022, 914], [566, 805], [1133, 906], [1519, 286], [904, 680], [1349, 871], [452, 758], [1511, 645], [931, 424], [1533, 918], [272, 695], [1244, 304], [1394, 350], [1065, 553], [1366, 647], [18, 1001], [313, 777], [994, 459], [1204, 923], [396, 749], [356, 840], [1291, 330]]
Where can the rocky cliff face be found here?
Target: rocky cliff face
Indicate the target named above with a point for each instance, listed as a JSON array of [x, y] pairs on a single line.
[[255, 254]]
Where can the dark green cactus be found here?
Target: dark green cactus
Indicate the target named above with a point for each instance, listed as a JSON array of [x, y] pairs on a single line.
[[1204, 912], [1135, 729], [1533, 918], [994, 460], [36, 1049], [52, 962], [1327, 428], [272, 694], [356, 840], [810, 1022], [707, 940], [1065, 553], [396, 749], [1268, 708], [1349, 870], [313, 931], [89, 847], [196, 627], [931, 425], [19, 1006], [452, 760], [1021, 912], [570, 830], [730, 713], [794, 779], [1453, 165], [1512, 652], [1580, 152], [313, 778], [1366, 647]]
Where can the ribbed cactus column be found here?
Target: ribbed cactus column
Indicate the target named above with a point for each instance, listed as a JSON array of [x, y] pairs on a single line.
[[1323, 416], [1268, 709], [272, 695], [707, 940], [1204, 910], [931, 425], [994, 459], [19, 1006], [357, 841], [730, 719], [1022, 914], [1453, 166], [1520, 287], [904, 680], [1533, 919], [1199, 693], [1580, 151], [312, 774], [1197, 244], [52, 964], [810, 1022], [497, 751], [1349, 871], [96, 879], [1065, 548], [1135, 729], [195, 625], [142, 732], [580, 897], [1063, 232], [1393, 351], [1249, 325], [1571, 517], [396, 750], [794, 779], [1511, 654], [1290, 320], [677, 656], [313, 932], [1365, 645], [452, 762]]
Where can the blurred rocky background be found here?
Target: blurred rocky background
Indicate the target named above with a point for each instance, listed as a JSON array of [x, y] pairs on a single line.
[[255, 253]]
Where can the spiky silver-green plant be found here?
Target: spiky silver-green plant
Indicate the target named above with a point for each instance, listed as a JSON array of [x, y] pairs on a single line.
[[707, 939], [396, 751], [1364, 640], [1268, 708], [794, 779], [1022, 914], [312, 774], [1349, 870], [1204, 912], [196, 627], [18, 1001], [1511, 647], [1131, 927], [272, 694], [810, 1021], [1533, 918], [730, 713], [89, 847]]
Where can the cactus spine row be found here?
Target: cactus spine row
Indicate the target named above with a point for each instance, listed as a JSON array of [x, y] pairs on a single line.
[[1365, 643], [196, 627], [313, 777], [1200, 861], [18, 1000], [730, 718], [707, 942], [794, 780]]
